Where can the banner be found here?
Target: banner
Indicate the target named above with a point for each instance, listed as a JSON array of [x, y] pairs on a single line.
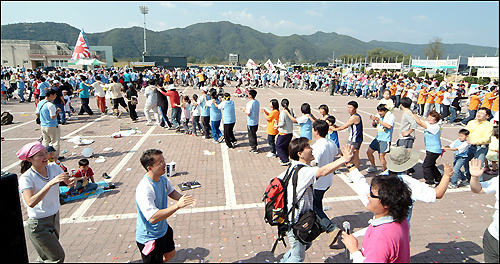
[[438, 64], [280, 65], [483, 62], [391, 66], [487, 72], [82, 49], [269, 65], [251, 64], [141, 64]]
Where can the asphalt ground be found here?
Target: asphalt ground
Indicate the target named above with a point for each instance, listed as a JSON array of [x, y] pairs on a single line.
[[227, 225]]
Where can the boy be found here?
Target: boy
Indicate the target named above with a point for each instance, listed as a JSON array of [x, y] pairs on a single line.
[[332, 134], [52, 158], [384, 122], [154, 236], [82, 175], [461, 148]]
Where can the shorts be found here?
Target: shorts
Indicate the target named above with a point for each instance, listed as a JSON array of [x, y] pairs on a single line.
[[356, 145], [163, 245], [380, 146], [120, 101], [405, 142]]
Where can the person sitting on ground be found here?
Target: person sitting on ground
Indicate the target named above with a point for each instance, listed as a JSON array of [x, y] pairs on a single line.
[[82, 177]]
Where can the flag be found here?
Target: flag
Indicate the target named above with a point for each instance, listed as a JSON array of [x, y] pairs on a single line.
[[251, 64], [82, 49], [280, 65], [269, 65]]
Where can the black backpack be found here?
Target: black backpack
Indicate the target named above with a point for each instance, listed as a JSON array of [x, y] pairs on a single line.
[[7, 118]]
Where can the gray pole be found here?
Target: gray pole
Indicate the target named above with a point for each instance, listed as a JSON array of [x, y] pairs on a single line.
[[144, 11]]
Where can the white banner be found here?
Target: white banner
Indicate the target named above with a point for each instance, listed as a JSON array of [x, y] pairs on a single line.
[[391, 66], [483, 61], [269, 65], [251, 64], [438, 64], [280, 65], [140, 63], [487, 72]]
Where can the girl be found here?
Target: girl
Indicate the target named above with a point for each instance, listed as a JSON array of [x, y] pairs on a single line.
[[229, 115], [389, 104], [186, 113], [285, 133], [272, 119], [304, 121], [215, 116], [132, 101], [195, 112], [39, 184]]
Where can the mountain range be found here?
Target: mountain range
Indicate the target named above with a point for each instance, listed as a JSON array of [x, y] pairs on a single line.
[[203, 41]]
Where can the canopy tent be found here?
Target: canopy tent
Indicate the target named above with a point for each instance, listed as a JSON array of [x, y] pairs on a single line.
[[94, 62]]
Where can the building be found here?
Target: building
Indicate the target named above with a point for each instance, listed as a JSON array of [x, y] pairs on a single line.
[[233, 59], [167, 62], [33, 54]]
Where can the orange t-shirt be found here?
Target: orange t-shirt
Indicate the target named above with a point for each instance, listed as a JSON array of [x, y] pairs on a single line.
[[430, 98], [488, 100], [393, 89], [494, 107], [474, 102], [421, 97], [272, 118], [439, 97]]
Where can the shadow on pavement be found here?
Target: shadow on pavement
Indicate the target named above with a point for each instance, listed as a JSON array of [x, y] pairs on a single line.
[[190, 254], [262, 257]]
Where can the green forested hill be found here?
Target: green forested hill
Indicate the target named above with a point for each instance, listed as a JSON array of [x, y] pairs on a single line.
[[217, 39]]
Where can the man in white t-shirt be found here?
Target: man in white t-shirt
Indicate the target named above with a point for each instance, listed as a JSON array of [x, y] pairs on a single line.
[[154, 236], [151, 103], [100, 94], [324, 152], [490, 237]]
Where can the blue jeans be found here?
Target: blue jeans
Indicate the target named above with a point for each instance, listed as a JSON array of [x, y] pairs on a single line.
[[297, 251], [20, 93], [453, 115], [472, 115], [458, 162], [216, 133], [62, 115], [479, 152], [175, 116], [271, 141]]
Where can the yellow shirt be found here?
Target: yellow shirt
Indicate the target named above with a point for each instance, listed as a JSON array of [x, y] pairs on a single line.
[[480, 132]]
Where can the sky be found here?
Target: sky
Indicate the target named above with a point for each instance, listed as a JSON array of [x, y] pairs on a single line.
[[475, 23]]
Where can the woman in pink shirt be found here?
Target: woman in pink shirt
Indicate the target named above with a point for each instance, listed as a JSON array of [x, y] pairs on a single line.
[[387, 239]]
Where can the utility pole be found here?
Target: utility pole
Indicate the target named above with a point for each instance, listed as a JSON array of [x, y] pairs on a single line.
[[144, 11]]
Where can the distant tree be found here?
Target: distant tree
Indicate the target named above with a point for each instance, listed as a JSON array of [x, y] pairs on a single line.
[[434, 49]]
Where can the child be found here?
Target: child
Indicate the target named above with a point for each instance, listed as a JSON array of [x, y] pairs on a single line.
[[272, 120], [332, 134], [82, 175], [195, 112], [186, 113], [461, 148], [304, 121], [67, 106], [492, 155], [389, 103], [52, 151], [237, 92]]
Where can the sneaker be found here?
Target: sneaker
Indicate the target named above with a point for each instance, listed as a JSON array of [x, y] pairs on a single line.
[[465, 183], [105, 176], [384, 173], [149, 124], [203, 137], [337, 172], [371, 169], [333, 236], [119, 115], [284, 163], [452, 186], [270, 155], [254, 151]]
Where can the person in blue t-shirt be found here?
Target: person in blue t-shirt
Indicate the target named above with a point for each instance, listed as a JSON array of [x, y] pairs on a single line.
[[153, 235], [384, 122], [252, 110], [83, 93], [461, 149], [229, 116], [332, 134], [304, 121], [215, 116]]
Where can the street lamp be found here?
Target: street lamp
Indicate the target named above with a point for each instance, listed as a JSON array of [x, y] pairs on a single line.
[[144, 11]]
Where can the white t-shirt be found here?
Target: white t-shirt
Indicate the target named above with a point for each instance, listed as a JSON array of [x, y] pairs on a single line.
[[411, 94], [303, 119], [67, 99], [51, 107], [151, 97], [99, 89], [446, 99], [490, 187], [306, 177], [433, 128], [324, 152], [186, 113], [32, 180]]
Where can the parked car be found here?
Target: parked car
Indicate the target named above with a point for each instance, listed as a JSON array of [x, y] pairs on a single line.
[[464, 73]]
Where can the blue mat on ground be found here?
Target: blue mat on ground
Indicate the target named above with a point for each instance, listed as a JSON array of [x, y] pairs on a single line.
[[99, 190]]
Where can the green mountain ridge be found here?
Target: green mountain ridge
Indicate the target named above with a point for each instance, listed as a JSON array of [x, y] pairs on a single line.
[[203, 41]]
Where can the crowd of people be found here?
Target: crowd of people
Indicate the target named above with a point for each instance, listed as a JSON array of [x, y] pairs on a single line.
[[390, 196]]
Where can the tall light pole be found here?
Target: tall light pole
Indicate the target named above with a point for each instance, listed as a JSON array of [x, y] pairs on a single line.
[[144, 11]]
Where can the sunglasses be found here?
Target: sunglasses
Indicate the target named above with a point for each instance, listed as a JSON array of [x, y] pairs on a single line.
[[373, 195]]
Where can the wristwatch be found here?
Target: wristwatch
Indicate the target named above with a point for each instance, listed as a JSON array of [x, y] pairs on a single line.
[[350, 166]]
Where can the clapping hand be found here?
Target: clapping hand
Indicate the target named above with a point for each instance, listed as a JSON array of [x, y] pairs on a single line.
[[347, 152], [448, 170]]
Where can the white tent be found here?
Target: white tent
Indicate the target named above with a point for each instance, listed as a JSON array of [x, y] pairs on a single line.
[[89, 62]]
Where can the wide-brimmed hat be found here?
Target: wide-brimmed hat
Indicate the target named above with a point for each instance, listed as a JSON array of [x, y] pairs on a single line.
[[401, 159]]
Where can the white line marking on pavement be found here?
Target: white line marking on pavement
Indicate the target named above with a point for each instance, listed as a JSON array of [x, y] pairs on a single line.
[[228, 178], [275, 91], [87, 203], [10, 128]]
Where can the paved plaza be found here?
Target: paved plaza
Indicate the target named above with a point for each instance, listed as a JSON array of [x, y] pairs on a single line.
[[228, 225]]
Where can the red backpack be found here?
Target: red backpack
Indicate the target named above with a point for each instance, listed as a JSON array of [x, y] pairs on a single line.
[[275, 200]]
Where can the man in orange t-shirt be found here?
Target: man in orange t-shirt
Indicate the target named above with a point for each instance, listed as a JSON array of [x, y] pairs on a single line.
[[429, 103], [489, 97], [439, 100], [422, 96], [475, 101]]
